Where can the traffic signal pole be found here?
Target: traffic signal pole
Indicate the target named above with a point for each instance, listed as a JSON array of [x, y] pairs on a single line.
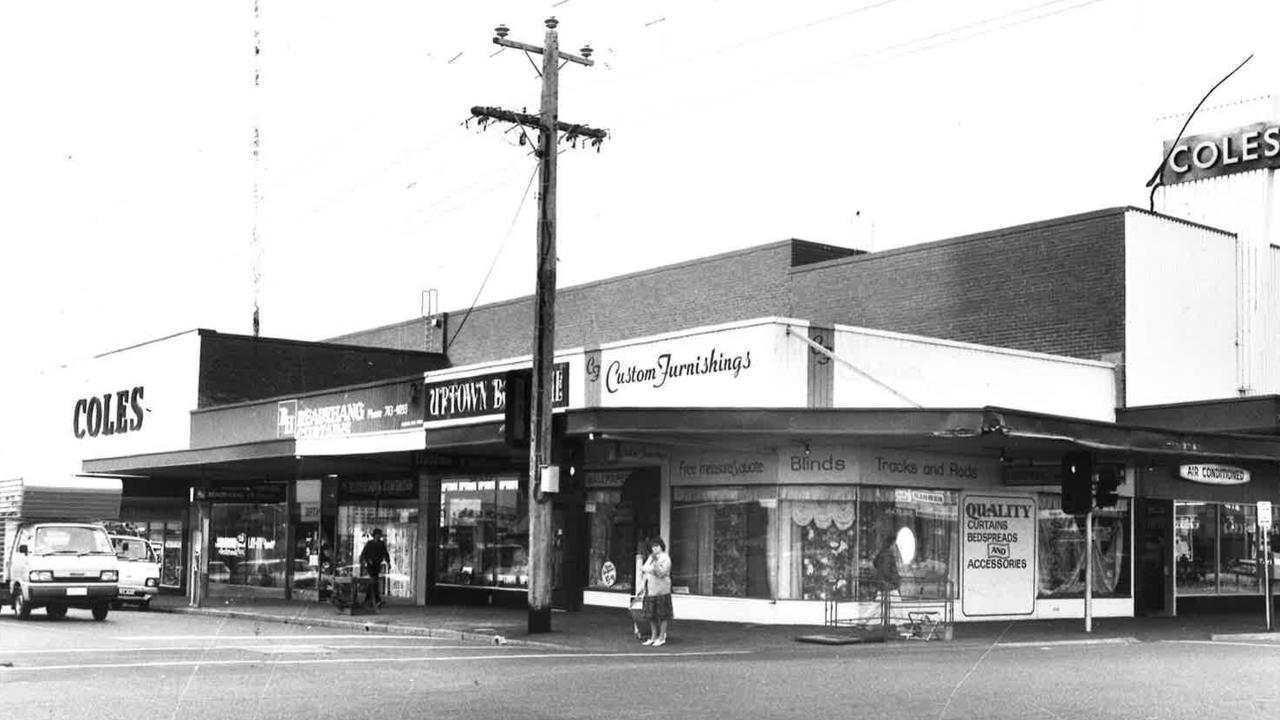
[[1088, 571]]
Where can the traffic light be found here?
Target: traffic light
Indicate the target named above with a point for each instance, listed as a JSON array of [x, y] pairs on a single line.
[[1109, 479], [518, 386], [1077, 483]]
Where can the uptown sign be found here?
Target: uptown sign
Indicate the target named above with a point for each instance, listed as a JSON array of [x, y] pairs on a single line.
[[1252, 147]]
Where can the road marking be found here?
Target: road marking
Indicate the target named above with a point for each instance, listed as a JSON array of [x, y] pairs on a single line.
[[1093, 641], [330, 661], [362, 636], [1236, 643], [206, 648]]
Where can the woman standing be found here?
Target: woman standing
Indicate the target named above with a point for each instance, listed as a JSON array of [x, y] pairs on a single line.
[[657, 592]]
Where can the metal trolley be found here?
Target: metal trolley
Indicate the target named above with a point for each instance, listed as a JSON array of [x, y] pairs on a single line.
[[926, 611]]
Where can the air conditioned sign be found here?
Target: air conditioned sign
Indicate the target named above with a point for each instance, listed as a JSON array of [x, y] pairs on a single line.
[[1214, 474], [1252, 147], [997, 555]]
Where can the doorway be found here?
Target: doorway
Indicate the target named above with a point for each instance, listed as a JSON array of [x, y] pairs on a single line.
[[1154, 538]]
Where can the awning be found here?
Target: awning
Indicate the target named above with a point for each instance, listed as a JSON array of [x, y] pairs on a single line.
[[997, 430]]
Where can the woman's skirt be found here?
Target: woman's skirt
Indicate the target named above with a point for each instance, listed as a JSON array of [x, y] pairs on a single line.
[[658, 607]]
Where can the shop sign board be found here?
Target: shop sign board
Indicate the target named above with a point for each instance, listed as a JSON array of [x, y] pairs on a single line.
[[721, 366], [378, 409], [1242, 149], [1032, 475], [129, 402], [1264, 514], [1214, 474], [269, 493], [998, 555], [390, 488], [482, 395]]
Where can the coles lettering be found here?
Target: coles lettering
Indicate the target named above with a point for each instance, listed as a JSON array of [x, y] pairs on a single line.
[[113, 413]]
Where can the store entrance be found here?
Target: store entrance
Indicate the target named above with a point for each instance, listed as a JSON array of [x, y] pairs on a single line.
[[1154, 538], [568, 556]]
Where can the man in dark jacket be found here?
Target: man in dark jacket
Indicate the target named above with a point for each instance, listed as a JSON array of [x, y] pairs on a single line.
[[372, 557]]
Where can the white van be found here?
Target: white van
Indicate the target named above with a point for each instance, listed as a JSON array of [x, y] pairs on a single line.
[[139, 571], [60, 565]]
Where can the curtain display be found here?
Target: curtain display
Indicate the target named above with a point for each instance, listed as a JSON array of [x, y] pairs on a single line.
[[809, 542], [1060, 561], [719, 540]]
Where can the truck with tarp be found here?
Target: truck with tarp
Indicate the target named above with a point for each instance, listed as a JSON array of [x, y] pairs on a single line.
[[54, 550]]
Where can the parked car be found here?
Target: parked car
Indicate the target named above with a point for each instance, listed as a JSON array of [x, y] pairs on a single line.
[[139, 571]]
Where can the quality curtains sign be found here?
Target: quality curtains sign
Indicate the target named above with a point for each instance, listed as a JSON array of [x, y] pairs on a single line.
[[998, 554]]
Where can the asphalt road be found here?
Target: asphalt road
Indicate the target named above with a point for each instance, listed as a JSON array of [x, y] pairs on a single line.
[[153, 665]]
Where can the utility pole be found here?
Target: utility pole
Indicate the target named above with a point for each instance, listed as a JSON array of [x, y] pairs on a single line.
[[543, 476]]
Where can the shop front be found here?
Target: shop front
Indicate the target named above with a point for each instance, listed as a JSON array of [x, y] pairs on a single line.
[[284, 493], [781, 536], [1205, 545]]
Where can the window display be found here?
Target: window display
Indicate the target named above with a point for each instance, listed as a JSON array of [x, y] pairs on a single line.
[[1060, 562], [922, 525], [1216, 548], [398, 520], [247, 550], [1238, 543], [818, 551], [623, 511], [1195, 542], [719, 539], [484, 530], [811, 542]]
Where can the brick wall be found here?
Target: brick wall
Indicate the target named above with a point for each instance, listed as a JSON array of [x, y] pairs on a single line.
[[1055, 286], [724, 288]]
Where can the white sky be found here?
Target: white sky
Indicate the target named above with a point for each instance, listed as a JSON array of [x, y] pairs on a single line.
[[126, 194]]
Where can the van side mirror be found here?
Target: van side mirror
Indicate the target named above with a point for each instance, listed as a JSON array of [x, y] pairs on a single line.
[[22, 549]]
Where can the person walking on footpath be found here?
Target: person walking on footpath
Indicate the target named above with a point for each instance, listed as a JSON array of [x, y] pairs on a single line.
[[372, 557], [888, 576], [657, 592]]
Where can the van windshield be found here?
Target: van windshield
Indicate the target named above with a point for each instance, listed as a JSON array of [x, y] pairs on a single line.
[[55, 540], [132, 548]]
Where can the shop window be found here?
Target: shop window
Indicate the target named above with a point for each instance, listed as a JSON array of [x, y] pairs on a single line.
[[623, 508], [817, 548], [484, 533], [1060, 561], [919, 527], [1195, 543], [248, 547], [1216, 548], [398, 520], [1238, 543], [719, 540]]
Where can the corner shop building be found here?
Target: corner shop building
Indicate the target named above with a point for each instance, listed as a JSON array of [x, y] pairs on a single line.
[[921, 386], [775, 465]]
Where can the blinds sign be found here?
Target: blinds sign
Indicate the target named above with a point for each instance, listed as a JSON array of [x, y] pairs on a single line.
[[998, 553]]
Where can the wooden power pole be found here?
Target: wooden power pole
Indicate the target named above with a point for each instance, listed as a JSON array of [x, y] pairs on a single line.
[[543, 475]]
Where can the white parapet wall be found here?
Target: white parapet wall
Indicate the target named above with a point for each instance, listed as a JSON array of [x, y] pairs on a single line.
[[876, 368]]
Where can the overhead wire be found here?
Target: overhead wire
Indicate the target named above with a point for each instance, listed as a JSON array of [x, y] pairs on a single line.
[[494, 262]]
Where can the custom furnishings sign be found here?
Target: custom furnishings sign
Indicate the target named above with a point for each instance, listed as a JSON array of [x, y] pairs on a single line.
[[997, 555]]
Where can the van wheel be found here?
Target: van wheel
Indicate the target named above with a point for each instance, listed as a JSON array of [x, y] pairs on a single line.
[[21, 607], [57, 612], [100, 611]]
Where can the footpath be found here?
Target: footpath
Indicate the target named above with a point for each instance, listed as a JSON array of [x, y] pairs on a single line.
[[596, 629]]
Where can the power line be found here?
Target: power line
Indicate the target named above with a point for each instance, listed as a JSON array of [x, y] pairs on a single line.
[[496, 255]]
